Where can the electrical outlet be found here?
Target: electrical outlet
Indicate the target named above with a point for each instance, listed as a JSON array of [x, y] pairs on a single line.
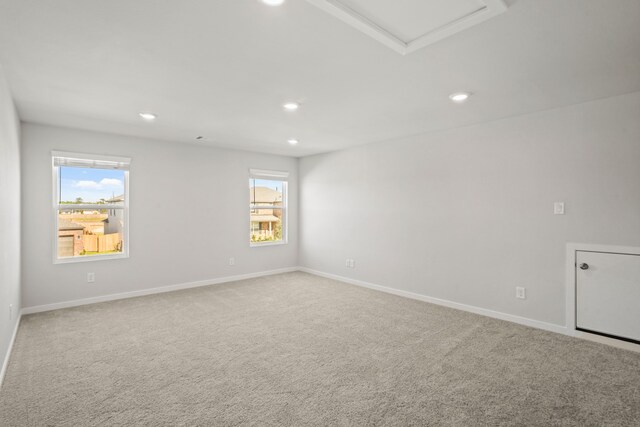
[[352, 263], [91, 277], [558, 208], [346, 263], [232, 261], [521, 293], [10, 311]]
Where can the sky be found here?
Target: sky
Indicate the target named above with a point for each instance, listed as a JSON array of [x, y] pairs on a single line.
[[90, 184], [95, 184], [274, 185]]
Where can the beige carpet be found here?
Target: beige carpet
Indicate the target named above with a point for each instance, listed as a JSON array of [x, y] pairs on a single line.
[[297, 350]]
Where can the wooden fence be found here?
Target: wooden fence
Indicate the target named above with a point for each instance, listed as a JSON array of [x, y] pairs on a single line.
[[101, 243]]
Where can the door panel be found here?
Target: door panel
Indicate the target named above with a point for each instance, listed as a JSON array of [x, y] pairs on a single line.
[[65, 246], [608, 293]]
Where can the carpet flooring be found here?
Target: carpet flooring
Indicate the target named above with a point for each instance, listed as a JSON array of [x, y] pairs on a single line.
[[297, 350]]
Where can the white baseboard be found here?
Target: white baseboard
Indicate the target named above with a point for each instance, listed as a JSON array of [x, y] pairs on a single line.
[[625, 345], [5, 363], [151, 291], [464, 307]]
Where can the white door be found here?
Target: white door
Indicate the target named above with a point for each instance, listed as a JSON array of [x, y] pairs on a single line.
[[608, 294]]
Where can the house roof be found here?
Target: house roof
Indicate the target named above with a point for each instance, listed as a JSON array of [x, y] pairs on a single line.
[[264, 195], [264, 218], [65, 224], [116, 199]]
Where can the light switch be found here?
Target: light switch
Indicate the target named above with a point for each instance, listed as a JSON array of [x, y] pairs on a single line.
[[558, 208]]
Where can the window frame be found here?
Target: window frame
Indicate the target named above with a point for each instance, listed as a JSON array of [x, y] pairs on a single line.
[[271, 175], [87, 160]]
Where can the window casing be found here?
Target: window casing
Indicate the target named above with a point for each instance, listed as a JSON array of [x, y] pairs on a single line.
[[90, 207], [268, 207]]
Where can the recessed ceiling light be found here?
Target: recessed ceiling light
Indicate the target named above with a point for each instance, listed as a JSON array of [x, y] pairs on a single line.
[[291, 106], [273, 2], [148, 116], [292, 141], [459, 97]]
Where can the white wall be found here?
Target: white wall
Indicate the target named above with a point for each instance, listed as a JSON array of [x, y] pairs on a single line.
[[9, 217], [463, 215], [188, 215], [467, 215]]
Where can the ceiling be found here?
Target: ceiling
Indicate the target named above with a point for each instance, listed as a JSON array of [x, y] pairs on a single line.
[[223, 68]]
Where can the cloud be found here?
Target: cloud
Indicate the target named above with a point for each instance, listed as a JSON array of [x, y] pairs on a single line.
[[89, 185], [111, 181], [93, 185]]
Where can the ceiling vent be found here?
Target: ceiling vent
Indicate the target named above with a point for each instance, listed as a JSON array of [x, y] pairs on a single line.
[[408, 25]]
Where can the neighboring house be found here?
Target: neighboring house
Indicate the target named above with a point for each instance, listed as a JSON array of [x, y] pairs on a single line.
[[265, 222], [92, 221], [115, 218], [70, 241]]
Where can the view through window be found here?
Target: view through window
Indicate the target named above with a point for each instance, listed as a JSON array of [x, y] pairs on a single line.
[[91, 207], [267, 200]]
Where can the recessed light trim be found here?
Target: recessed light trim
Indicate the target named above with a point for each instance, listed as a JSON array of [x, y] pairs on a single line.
[[291, 106], [148, 116], [273, 2], [460, 97], [293, 141]]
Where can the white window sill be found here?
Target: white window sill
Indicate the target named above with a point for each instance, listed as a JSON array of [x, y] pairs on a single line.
[[257, 245], [86, 258]]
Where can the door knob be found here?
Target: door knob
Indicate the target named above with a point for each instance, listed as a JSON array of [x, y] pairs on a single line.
[[584, 266]]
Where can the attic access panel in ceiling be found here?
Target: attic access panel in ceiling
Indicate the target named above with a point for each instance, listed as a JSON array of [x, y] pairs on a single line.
[[408, 25]]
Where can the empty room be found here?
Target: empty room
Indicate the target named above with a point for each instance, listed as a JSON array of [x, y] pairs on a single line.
[[320, 213]]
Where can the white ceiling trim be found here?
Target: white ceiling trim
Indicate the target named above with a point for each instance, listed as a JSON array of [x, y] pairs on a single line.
[[488, 10]]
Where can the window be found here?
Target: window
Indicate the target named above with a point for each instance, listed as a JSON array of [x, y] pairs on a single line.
[[267, 207], [90, 207]]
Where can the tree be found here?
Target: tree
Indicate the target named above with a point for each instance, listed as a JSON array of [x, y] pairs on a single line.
[[278, 231], [78, 200]]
